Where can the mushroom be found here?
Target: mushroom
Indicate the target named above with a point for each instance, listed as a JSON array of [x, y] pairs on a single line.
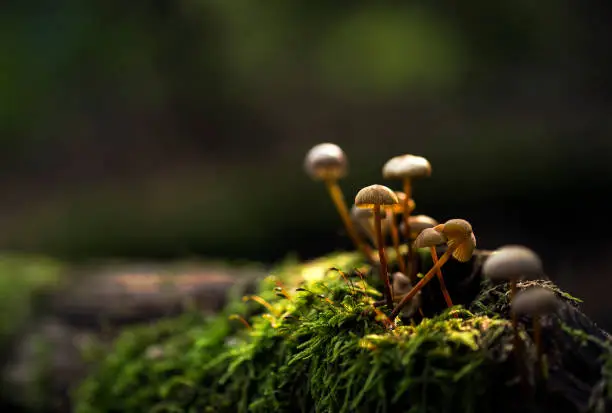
[[402, 285], [406, 168], [327, 162], [418, 223], [512, 263], [373, 197], [430, 238], [535, 302], [461, 244]]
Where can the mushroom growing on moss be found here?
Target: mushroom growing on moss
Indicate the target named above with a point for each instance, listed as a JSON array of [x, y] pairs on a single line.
[[430, 238], [406, 168], [461, 245], [536, 302], [374, 197], [402, 285], [327, 162]]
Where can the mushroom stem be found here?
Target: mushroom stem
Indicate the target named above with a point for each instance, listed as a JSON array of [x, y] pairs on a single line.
[[410, 260], [419, 286], [384, 275], [336, 195], [434, 258], [395, 238]]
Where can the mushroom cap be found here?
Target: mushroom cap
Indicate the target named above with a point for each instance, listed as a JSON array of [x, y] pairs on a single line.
[[465, 250], [373, 195], [326, 161], [406, 166], [399, 207], [429, 237], [535, 301], [417, 224], [513, 262], [401, 284], [455, 228]]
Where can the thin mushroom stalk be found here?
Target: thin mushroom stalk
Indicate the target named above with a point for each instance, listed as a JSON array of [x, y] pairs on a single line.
[[419, 286], [384, 271], [396, 242], [434, 258]]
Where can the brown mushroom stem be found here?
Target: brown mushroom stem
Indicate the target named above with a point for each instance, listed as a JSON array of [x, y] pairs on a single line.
[[410, 260], [336, 195], [396, 246], [384, 275], [434, 258], [419, 286]]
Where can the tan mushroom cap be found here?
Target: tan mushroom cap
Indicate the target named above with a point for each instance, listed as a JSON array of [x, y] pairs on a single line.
[[420, 222], [535, 301], [326, 161], [373, 195], [406, 166], [429, 237], [399, 208], [455, 228]]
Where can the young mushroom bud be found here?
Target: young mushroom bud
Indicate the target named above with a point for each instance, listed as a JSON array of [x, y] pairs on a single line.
[[535, 302], [374, 197], [460, 241], [430, 238], [327, 162], [406, 168], [418, 223], [402, 285]]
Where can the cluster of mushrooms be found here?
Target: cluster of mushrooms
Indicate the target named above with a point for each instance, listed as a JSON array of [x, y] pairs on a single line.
[[379, 213]]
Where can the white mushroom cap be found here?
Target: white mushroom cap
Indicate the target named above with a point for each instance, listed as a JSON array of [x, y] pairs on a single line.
[[513, 262], [326, 161], [406, 166], [535, 301], [373, 195]]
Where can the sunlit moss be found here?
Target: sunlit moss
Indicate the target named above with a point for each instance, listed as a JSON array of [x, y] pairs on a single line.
[[315, 345]]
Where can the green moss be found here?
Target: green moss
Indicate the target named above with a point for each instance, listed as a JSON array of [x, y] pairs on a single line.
[[322, 349]]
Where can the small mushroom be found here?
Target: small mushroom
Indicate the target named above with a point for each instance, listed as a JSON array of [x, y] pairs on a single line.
[[402, 285], [430, 238], [406, 168], [535, 302], [461, 243], [327, 162], [374, 197], [512, 263], [418, 223]]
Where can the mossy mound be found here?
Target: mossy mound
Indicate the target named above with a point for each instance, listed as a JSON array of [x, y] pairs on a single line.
[[321, 347]]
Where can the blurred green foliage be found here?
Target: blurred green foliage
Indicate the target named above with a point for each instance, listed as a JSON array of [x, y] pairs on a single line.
[[179, 127], [22, 280]]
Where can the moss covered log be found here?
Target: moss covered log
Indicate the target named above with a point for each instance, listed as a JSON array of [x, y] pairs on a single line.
[[311, 341]]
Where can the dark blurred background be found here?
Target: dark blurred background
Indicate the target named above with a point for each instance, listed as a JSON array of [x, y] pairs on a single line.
[[170, 129]]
